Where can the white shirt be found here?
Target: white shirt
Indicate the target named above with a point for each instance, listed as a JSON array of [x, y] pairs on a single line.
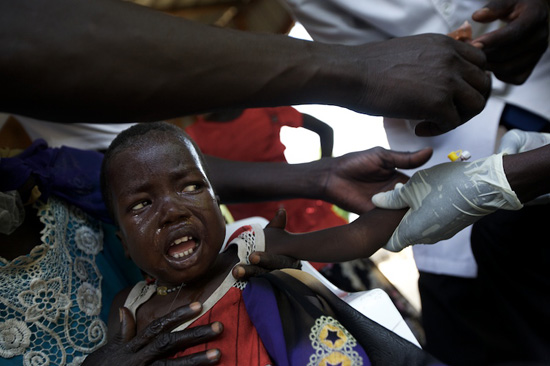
[[355, 22], [85, 136]]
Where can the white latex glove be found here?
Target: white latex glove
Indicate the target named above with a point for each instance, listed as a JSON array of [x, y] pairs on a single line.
[[446, 198], [518, 141]]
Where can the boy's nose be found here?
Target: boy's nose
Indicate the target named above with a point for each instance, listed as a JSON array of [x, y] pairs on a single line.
[[173, 209]]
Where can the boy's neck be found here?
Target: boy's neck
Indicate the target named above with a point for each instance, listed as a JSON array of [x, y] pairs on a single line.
[[199, 290]]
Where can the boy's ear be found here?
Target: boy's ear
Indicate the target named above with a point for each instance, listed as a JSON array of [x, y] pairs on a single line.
[[124, 245]]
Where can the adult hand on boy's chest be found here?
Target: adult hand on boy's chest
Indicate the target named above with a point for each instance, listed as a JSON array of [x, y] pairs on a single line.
[[156, 342]]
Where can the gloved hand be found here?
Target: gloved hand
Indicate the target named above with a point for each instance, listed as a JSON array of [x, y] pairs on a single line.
[[446, 198], [518, 141]]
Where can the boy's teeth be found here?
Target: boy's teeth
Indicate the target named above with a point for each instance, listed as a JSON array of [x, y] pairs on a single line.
[[187, 252], [180, 240]]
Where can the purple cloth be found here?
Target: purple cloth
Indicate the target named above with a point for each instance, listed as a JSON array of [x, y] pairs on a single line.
[[295, 323], [266, 319], [68, 173], [284, 318]]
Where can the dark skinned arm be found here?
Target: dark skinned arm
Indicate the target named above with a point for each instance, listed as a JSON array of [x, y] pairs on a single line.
[[114, 61], [359, 239], [528, 173], [348, 181]]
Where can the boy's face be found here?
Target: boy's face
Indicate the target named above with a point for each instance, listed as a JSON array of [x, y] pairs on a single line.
[[170, 222]]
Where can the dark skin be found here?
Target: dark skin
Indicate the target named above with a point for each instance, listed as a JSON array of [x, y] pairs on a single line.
[[154, 210], [155, 343], [514, 50], [101, 61], [517, 168], [528, 173], [348, 181]]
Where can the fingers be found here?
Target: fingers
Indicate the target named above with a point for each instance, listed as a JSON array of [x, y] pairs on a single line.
[[474, 93], [515, 49], [395, 244], [391, 199], [164, 325], [409, 160], [169, 343], [427, 129], [466, 103], [274, 261], [279, 220], [513, 52], [494, 10], [264, 262], [209, 357], [517, 141], [473, 88], [127, 325], [244, 272], [510, 143], [514, 62], [471, 54]]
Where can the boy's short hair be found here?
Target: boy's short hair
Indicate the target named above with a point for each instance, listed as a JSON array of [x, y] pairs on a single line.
[[128, 139]]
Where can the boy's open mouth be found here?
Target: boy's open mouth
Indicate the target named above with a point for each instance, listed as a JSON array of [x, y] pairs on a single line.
[[182, 247]]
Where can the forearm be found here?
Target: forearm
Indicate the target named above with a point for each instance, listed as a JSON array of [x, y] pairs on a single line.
[[236, 181], [359, 239], [113, 61], [528, 173]]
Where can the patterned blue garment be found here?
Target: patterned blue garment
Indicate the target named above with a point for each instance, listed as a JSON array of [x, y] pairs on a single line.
[[54, 301], [50, 299]]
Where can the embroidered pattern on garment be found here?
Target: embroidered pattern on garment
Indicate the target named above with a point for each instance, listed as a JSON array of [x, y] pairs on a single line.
[[50, 299], [246, 234], [333, 344]]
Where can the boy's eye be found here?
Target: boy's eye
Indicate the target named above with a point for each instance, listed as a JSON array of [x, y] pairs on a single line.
[[191, 188], [140, 205]]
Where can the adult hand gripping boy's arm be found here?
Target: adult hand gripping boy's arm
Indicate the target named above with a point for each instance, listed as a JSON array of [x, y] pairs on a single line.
[[156, 342], [448, 197]]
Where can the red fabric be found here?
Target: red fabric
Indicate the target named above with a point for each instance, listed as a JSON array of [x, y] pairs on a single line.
[[303, 215], [239, 343], [255, 136]]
